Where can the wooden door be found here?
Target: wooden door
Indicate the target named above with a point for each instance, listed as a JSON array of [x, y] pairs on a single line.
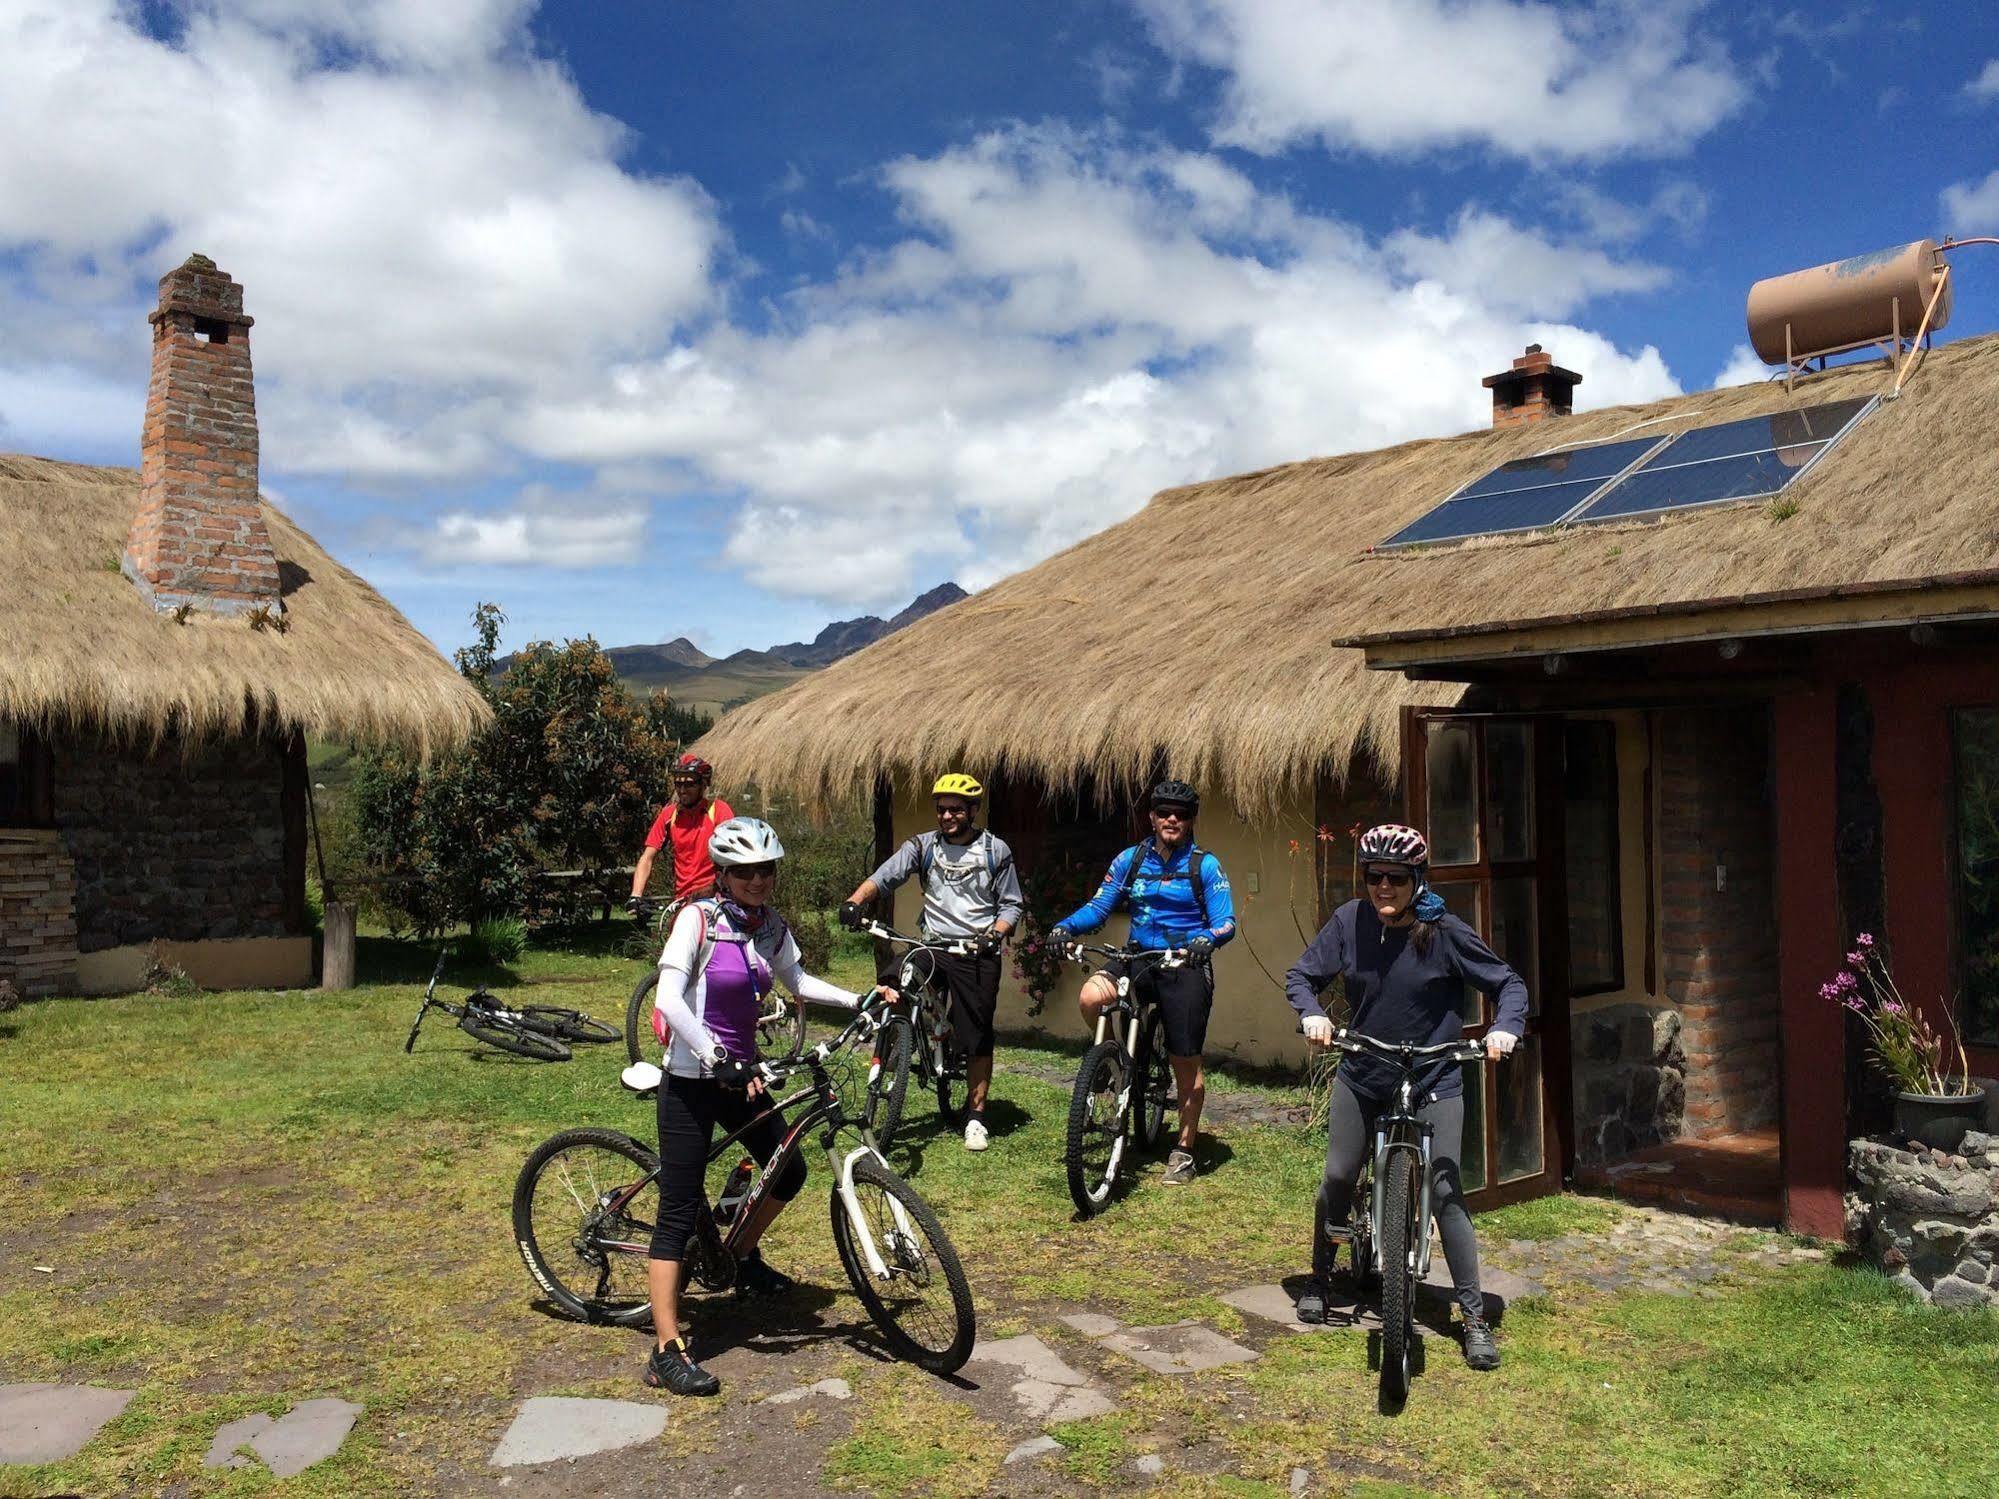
[[1487, 792]]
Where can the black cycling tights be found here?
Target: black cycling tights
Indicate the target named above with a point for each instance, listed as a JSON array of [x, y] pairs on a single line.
[[1350, 1136], [689, 1110]]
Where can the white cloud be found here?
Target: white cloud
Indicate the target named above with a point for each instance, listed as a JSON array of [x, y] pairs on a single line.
[[1985, 87], [1520, 77], [435, 211], [557, 536], [1071, 325], [1972, 207], [1743, 368]]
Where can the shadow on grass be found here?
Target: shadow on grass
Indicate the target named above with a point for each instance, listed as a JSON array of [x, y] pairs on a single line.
[[721, 1322]]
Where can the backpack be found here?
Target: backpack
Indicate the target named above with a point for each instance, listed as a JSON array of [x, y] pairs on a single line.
[[1196, 855], [708, 909], [926, 855]]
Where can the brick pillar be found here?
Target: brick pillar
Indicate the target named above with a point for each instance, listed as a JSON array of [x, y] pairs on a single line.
[[199, 537], [1719, 931], [37, 912], [1534, 389]]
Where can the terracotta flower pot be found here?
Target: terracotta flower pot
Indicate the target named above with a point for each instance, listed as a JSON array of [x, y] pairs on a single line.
[[1940, 1123]]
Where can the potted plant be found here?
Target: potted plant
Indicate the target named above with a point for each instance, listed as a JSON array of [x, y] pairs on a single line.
[[1935, 1100]]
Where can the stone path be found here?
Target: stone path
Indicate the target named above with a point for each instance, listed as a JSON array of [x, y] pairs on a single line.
[[1178, 1348], [551, 1428], [832, 1389], [1048, 1390], [308, 1433], [1651, 1249], [45, 1423]]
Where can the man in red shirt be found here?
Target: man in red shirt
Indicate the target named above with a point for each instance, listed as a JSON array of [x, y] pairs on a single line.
[[691, 818]]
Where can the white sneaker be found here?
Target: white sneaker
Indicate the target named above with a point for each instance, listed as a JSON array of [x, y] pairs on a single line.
[[975, 1135]]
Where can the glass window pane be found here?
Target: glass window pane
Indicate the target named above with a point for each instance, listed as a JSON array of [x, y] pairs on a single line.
[[1975, 735], [1471, 1160], [1461, 897], [1452, 760], [1509, 790], [1589, 812], [1517, 1087], [1515, 936]]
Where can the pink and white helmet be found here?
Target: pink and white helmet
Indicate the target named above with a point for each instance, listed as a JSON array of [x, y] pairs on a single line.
[[1392, 843]]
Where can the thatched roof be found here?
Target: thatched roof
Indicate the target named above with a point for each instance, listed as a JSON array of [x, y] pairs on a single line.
[[78, 646], [1202, 626]]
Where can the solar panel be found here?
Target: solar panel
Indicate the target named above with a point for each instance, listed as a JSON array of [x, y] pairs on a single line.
[[1742, 460], [1526, 493]]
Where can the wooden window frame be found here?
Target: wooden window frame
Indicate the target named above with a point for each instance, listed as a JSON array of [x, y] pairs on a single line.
[[1609, 728], [1958, 946], [33, 804]]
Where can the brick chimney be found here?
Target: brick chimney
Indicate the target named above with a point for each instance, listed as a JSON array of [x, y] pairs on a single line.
[[1536, 387], [199, 536]]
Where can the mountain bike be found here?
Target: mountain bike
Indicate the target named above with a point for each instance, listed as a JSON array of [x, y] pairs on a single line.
[[1391, 1239], [780, 1027], [538, 1031], [1125, 1084], [918, 1039], [587, 1200]]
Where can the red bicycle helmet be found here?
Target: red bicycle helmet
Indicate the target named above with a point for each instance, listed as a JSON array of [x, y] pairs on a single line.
[[693, 765]]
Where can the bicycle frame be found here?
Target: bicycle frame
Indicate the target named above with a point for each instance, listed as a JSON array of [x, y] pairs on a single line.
[[933, 998]]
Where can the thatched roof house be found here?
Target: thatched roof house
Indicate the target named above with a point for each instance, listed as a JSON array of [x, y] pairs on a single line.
[[1084, 663], [1622, 738], [170, 639]]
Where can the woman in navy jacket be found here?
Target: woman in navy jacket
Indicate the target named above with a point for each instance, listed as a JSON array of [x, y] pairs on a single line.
[[1405, 962]]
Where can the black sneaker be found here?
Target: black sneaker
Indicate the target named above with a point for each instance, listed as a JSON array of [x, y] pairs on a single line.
[[673, 1368], [1312, 1302], [755, 1278], [1481, 1352]]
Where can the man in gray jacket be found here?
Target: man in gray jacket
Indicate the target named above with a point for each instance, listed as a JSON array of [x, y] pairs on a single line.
[[971, 892]]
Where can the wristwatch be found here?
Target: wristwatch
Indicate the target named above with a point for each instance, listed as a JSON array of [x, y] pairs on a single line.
[[717, 1054]]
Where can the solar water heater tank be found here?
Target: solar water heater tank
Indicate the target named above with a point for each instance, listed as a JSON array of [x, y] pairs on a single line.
[[1861, 300]]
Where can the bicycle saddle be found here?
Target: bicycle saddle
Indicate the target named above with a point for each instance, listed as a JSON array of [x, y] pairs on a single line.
[[641, 1077]]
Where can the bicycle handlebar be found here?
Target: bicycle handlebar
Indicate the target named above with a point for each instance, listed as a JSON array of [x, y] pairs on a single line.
[[1170, 957], [1407, 1052], [956, 947]]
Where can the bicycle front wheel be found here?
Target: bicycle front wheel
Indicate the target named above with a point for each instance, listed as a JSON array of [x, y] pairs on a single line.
[[638, 1020], [954, 1083], [1155, 1083], [888, 1081], [1398, 1286], [522, 1043], [1097, 1124], [567, 1025], [586, 1253], [921, 1301]]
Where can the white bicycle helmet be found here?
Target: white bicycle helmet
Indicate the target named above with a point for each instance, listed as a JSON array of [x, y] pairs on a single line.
[[744, 840]]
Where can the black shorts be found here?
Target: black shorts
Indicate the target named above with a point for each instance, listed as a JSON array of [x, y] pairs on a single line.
[[971, 987], [1184, 995]]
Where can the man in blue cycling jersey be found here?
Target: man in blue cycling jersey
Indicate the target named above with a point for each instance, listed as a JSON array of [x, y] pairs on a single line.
[[1178, 898]]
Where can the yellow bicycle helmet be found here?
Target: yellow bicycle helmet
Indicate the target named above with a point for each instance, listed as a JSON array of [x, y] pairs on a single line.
[[956, 783]]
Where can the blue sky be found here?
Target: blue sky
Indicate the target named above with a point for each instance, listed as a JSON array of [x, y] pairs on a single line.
[[650, 319]]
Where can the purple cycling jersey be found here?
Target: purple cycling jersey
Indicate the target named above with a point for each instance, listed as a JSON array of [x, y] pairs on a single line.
[[738, 979]]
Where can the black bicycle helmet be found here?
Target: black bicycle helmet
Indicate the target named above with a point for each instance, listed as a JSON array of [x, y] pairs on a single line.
[[1177, 794]]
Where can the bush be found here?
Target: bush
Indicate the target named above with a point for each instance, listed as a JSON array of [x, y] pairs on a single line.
[[499, 939]]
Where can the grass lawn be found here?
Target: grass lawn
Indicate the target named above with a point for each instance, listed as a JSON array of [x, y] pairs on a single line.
[[251, 1199]]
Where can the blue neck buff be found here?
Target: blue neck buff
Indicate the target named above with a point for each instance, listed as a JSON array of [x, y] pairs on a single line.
[[1428, 905]]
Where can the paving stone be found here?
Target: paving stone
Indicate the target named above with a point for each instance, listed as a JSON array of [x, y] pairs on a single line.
[[1179, 1348], [308, 1433], [1493, 1281], [222, 1451], [550, 1428], [45, 1423], [1091, 1324], [1050, 1390], [1151, 1465], [1032, 1448], [832, 1389], [1300, 1478]]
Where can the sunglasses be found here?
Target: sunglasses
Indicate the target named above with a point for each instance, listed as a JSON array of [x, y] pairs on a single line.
[[754, 871], [1394, 878], [1175, 814]]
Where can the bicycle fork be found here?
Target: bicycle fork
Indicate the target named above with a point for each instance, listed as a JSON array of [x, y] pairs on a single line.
[[850, 1202], [1419, 1248]]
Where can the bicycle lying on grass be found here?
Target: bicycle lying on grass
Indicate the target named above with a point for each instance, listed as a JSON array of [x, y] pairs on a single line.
[[587, 1200], [780, 1028], [1391, 1237], [538, 1031], [919, 1038], [1125, 1084]]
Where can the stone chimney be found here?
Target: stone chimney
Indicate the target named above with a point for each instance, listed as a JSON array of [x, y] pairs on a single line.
[[1536, 387], [199, 537]]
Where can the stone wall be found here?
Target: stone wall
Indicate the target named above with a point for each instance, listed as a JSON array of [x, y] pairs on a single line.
[[1630, 1086], [168, 844], [1929, 1219], [1719, 944], [37, 912]]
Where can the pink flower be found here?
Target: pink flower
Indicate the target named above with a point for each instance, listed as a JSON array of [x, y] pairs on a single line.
[[1865, 939], [1857, 959], [1892, 1007], [1826, 991]]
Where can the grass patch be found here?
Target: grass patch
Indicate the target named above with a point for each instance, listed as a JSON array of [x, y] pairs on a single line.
[[915, 1441], [1552, 1217]]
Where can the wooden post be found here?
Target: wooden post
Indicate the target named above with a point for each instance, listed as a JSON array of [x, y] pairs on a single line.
[[337, 966]]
